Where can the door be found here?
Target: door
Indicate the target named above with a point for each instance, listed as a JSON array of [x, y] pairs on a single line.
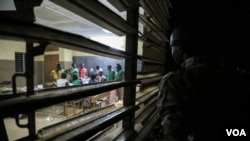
[[50, 62]]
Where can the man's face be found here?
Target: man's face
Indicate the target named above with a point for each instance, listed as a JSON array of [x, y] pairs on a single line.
[[176, 48]]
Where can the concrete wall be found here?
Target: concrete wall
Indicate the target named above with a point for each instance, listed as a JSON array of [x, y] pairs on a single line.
[[7, 62]]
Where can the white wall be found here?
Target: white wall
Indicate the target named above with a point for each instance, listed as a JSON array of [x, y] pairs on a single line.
[[8, 49]]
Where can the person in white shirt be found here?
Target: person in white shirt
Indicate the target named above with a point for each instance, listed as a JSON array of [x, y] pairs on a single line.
[[101, 77], [98, 69], [62, 82]]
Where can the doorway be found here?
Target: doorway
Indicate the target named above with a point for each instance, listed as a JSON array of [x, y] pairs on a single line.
[[50, 62]]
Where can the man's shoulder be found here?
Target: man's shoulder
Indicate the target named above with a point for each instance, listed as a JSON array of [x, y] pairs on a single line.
[[174, 76]]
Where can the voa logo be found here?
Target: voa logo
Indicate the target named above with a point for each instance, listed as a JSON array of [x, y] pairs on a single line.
[[236, 132]]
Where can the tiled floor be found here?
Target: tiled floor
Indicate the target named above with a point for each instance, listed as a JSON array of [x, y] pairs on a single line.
[[44, 117]]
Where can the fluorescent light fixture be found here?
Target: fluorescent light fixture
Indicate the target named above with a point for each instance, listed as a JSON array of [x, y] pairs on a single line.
[[106, 31], [7, 5]]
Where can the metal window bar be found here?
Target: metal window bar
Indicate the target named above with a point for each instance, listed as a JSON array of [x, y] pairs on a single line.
[[35, 33]]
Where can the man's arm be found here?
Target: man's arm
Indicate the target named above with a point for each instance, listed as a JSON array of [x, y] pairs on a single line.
[[172, 106]]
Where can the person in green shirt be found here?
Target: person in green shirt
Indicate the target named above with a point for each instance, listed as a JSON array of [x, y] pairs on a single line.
[[110, 74], [119, 74], [73, 71], [76, 81]]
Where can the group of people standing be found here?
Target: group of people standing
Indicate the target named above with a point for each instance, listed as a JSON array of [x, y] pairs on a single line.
[[81, 75]]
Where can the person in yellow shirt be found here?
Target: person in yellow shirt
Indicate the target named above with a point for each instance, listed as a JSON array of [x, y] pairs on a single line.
[[56, 73]]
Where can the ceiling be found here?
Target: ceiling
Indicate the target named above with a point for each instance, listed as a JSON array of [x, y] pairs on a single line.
[[225, 25], [52, 15]]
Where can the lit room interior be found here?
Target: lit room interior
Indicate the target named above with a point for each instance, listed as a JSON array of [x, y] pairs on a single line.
[[90, 69]]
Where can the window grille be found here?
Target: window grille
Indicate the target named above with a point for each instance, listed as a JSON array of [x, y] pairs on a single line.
[[20, 62]]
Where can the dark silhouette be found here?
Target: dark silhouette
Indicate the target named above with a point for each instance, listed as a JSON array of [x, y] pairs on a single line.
[[201, 100]]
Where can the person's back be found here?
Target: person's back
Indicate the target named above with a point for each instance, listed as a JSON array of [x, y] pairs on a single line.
[[92, 79], [62, 82], [76, 81]]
